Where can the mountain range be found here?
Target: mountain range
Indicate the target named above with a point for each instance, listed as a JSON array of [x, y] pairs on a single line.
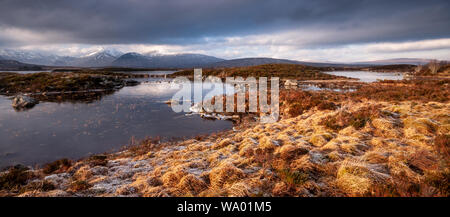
[[105, 58], [114, 58], [18, 66], [96, 59]]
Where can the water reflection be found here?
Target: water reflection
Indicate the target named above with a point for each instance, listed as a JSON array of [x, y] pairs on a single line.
[[52, 130], [366, 76]]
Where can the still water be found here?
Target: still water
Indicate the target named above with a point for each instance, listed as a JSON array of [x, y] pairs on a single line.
[[365, 76], [51, 131]]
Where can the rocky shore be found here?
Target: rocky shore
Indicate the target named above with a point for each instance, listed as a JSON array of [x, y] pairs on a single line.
[[28, 89]]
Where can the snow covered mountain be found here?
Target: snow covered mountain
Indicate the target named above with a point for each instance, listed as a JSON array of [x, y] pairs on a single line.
[[96, 59], [99, 58], [154, 59], [30, 57], [111, 57]]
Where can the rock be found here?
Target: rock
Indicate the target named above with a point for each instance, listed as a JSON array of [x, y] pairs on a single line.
[[125, 190], [196, 108], [290, 83], [99, 170], [60, 180], [23, 102], [131, 83]]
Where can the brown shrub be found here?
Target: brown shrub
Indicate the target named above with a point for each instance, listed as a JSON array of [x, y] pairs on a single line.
[[442, 143], [38, 186], [191, 184], [98, 160], [144, 146], [14, 178], [439, 180], [296, 102], [405, 90], [357, 119], [224, 174], [173, 177], [434, 184], [293, 178], [287, 152], [58, 165], [79, 185]]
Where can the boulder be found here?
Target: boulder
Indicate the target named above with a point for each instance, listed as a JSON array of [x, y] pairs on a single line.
[[23, 102], [131, 83], [290, 83]]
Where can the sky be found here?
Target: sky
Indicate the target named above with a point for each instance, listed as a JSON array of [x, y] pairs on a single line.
[[319, 30]]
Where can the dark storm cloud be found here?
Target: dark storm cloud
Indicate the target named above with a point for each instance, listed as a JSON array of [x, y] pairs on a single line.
[[190, 21]]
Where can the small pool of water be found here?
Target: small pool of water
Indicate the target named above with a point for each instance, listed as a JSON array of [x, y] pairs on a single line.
[[27, 72], [366, 76]]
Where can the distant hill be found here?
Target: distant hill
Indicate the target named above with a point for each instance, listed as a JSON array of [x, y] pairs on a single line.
[[114, 58], [164, 61], [131, 60], [250, 62], [242, 62], [397, 61], [12, 65]]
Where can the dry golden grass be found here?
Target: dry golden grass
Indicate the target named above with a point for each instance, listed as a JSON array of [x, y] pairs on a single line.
[[359, 147]]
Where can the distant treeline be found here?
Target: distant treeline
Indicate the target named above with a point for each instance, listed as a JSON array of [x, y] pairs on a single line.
[[301, 72]]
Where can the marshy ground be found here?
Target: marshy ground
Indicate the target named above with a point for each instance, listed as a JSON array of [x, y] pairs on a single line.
[[388, 138]]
